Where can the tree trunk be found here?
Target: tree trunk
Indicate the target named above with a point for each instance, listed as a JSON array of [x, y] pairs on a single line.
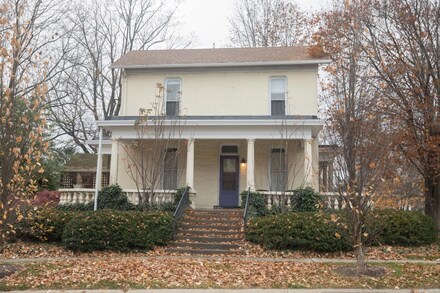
[[360, 254], [432, 199]]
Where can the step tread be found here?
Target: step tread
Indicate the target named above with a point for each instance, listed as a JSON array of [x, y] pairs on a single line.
[[184, 226], [219, 221], [208, 232], [203, 251], [208, 239], [193, 245], [215, 216]]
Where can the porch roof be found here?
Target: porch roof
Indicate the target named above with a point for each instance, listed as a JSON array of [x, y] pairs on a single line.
[[222, 127]]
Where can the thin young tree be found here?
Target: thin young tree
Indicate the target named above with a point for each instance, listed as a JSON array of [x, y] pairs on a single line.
[[155, 150], [354, 120]]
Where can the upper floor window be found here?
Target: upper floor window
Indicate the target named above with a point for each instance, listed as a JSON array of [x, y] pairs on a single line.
[[172, 96], [278, 95]]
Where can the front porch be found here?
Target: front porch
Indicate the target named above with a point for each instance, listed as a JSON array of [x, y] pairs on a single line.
[[218, 157], [218, 170]]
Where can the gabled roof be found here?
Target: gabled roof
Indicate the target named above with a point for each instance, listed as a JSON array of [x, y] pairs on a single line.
[[217, 57]]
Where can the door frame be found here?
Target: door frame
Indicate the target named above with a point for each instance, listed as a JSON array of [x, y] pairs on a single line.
[[220, 177]]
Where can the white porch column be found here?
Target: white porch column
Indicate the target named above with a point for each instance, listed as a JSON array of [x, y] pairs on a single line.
[[251, 164], [98, 171], [308, 164], [114, 161], [190, 164]]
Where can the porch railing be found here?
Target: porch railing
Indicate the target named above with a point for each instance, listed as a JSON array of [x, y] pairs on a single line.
[[331, 200], [276, 198], [87, 195], [180, 210], [246, 210]]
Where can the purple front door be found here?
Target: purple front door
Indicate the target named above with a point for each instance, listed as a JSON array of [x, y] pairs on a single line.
[[229, 175]]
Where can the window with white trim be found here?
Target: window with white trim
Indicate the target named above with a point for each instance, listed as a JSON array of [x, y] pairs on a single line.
[[278, 169], [278, 96], [172, 96], [170, 169]]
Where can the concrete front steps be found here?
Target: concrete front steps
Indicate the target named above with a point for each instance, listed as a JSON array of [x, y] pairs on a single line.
[[217, 231]]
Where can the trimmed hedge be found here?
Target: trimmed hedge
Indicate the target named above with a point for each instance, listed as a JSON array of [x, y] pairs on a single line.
[[112, 197], [305, 200], [257, 206], [310, 231], [302, 200], [297, 231], [46, 224], [404, 228], [117, 230]]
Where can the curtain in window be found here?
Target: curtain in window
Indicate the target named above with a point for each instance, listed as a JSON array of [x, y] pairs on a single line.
[[278, 170], [278, 96], [170, 170], [172, 97]]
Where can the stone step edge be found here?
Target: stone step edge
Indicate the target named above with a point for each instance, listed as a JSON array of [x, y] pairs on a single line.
[[186, 227], [203, 251], [201, 221], [207, 239], [193, 245]]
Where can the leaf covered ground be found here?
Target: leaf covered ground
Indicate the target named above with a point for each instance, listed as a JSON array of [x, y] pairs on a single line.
[[42, 250], [63, 269], [209, 273]]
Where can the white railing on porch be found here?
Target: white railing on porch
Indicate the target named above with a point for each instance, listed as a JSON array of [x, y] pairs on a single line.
[[160, 196], [87, 195], [276, 198], [331, 200]]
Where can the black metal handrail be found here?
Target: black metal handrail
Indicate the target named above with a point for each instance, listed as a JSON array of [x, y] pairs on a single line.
[[180, 209], [246, 209]]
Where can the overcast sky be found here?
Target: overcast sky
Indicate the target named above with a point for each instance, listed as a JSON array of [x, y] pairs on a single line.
[[208, 19]]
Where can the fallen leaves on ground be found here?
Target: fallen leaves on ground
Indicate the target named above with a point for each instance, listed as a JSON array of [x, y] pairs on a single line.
[[209, 273], [44, 250]]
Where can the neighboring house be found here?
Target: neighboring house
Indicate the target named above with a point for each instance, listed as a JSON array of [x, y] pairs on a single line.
[[247, 118], [80, 171], [326, 169]]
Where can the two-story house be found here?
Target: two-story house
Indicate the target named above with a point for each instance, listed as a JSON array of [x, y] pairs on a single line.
[[236, 118]]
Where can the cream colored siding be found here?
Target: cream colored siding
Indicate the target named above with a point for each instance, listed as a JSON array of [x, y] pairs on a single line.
[[224, 92], [125, 180]]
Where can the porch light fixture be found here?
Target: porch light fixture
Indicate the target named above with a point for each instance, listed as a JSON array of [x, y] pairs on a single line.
[[243, 163]]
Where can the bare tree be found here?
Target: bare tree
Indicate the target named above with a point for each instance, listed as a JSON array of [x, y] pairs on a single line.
[[268, 23], [287, 169], [403, 38], [104, 31], [152, 157], [354, 120]]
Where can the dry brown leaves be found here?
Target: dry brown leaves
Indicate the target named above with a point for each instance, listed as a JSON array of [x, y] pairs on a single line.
[[42, 250], [430, 252], [213, 273], [45, 250]]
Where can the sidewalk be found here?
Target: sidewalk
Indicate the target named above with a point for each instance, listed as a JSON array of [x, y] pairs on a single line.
[[243, 291]]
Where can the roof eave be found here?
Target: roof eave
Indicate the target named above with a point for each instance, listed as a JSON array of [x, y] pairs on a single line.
[[225, 64]]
